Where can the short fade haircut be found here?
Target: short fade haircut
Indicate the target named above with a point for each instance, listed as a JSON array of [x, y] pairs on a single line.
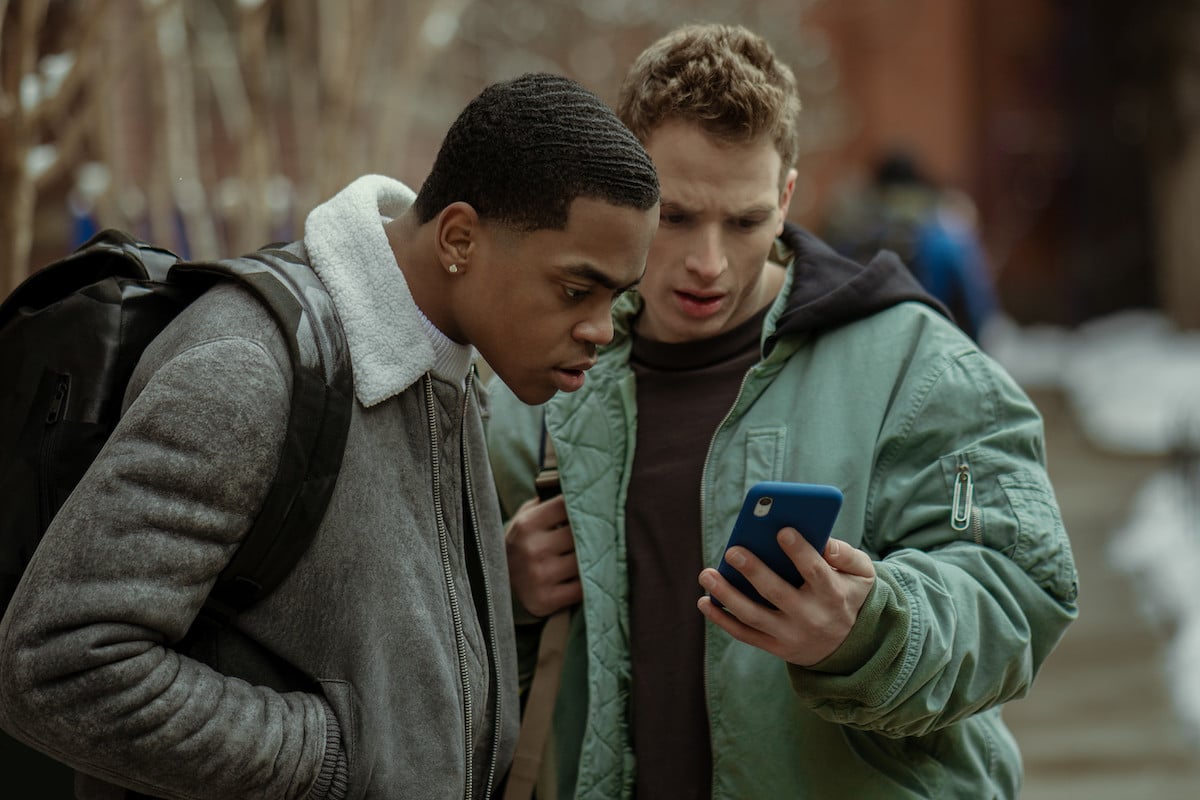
[[523, 150], [724, 78]]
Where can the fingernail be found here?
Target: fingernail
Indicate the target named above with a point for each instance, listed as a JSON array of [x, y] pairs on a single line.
[[706, 580], [788, 537], [735, 557], [835, 547]]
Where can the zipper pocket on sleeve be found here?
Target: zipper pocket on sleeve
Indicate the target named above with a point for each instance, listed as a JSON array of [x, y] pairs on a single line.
[[964, 514]]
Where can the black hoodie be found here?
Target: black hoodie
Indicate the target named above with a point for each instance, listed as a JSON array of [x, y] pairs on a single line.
[[829, 290]]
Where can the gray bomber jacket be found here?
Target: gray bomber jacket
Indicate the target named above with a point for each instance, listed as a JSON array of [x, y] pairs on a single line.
[[412, 658]]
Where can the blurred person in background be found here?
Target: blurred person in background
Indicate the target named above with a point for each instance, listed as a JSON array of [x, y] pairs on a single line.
[[752, 351], [932, 230]]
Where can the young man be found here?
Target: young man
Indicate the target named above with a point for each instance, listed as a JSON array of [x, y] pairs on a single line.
[[538, 212], [752, 352]]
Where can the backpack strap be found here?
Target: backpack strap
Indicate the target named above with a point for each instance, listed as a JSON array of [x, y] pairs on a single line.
[[319, 422], [533, 741], [546, 483]]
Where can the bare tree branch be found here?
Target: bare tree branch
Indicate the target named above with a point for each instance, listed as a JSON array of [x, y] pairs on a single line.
[[302, 101], [97, 68], [5, 97], [17, 208], [84, 44]]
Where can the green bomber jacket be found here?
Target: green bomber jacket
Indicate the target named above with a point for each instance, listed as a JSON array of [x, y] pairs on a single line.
[[865, 385]]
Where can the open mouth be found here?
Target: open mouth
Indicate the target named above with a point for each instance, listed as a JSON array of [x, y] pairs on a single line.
[[698, 305], [568, 380]]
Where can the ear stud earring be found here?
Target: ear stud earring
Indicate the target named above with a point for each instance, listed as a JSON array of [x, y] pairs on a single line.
[[452, 269]]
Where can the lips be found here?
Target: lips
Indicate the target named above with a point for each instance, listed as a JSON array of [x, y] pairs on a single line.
[[699, 304], [568, 380], [571, 377]]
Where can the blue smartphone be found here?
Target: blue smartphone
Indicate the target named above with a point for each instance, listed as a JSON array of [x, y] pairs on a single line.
[[810, 508]]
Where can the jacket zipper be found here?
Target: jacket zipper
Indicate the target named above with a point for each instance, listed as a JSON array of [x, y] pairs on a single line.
[[448, 573], [704, 555], [54, 415], [963, 512], [713, 441], [487, 592]]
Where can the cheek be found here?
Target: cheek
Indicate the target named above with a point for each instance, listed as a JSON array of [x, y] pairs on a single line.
[[748, 255], [662, 256]]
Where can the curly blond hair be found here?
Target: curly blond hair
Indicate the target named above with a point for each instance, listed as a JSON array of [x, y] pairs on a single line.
[[724, 78]]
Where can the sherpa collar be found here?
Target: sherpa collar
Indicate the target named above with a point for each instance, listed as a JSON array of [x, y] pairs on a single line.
[[350, 252]]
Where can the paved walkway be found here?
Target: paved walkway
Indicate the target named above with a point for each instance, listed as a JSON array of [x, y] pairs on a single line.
[[1098, 723]]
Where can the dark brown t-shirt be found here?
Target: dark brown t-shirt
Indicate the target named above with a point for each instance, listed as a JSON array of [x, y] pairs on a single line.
[[684, 392]]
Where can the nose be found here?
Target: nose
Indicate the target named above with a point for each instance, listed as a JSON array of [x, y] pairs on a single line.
[[706, 257], [597, 328]]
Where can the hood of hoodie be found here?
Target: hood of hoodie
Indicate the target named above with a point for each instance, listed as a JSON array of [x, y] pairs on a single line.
[[828, 290]]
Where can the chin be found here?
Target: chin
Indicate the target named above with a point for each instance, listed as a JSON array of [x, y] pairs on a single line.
[[535, 397], [530, 395]]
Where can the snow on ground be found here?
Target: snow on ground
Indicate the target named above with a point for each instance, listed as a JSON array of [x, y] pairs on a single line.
[[1133, 381], [1160, 544], [1132, 378]]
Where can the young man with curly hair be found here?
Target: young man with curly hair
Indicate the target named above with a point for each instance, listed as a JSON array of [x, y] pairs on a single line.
[[752, 352]]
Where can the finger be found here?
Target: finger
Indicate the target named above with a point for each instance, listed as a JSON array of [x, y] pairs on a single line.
[[547, 600], [566, 594], [539, 543], [844, 558], [773, 587], [519, 519], [555, 570], [729, 623], [560, 541], [550, 513], [533, 533], [750, 612], [534, 513], [809, 562]]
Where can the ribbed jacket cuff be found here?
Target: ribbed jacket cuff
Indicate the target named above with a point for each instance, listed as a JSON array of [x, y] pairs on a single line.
[[333, 781]]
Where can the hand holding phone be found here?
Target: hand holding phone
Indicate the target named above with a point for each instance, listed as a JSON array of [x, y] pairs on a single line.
[[769, 507]]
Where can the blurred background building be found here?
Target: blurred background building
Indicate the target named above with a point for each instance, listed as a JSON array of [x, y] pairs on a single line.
[[215, 125], [1065, 133]]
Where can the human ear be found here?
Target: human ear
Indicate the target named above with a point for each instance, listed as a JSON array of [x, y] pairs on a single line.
[[785, 197], [457, 229]]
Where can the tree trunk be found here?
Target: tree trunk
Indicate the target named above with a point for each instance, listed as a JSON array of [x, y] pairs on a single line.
[[1179, 236], [16, 217]]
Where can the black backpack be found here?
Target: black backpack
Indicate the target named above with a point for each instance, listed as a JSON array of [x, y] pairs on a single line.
[[70, 337]]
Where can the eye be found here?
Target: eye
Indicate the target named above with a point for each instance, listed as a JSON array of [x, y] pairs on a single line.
[[576, 294], [672, 218], [748, 223]]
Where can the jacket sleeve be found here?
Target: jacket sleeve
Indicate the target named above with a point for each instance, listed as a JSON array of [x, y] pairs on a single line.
[[87, 670], [975, 578]]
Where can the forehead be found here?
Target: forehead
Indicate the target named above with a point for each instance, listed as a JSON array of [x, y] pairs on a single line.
[[695, 166], [601, 239]]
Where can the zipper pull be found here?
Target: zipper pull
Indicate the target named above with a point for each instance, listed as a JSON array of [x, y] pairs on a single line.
[[58, 404], [964, 489]]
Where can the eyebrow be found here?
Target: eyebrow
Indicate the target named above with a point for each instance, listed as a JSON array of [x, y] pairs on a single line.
[[589, 273], [741, 212]]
